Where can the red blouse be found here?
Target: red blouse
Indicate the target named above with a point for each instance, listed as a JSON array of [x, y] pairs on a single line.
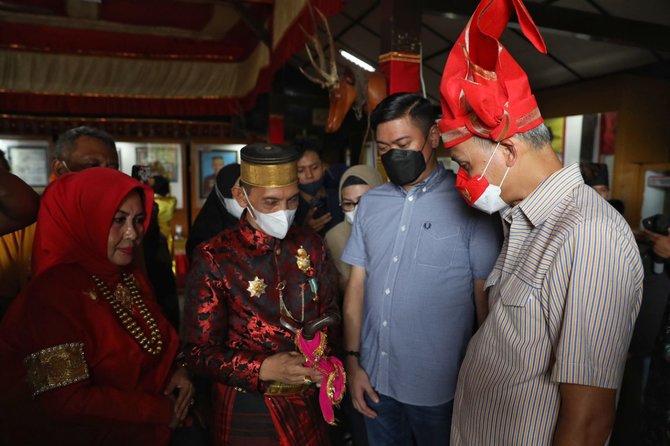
[[117, 400]]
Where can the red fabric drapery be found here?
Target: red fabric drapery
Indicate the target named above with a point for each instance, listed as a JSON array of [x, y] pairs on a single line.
[[105, 104]]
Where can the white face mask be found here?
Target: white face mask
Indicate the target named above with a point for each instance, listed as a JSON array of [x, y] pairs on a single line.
[[275, 224], [349, 216], [231, 204], [233, 207], [490, 200]]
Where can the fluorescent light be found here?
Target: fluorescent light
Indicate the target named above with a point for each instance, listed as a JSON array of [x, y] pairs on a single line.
[[355, 60]]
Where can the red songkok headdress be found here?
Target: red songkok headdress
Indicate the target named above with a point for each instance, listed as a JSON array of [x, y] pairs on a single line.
[[484, 92]]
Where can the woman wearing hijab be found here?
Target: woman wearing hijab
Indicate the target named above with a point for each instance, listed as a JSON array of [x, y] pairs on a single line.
[[87, 357], [220, 210], [355, 182]]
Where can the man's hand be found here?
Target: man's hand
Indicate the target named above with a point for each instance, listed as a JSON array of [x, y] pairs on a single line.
[[359, 384], [317, 224], [182, 402], [661, 243], [288, 368]]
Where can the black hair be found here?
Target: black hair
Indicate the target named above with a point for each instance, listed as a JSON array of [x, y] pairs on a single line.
[[399, 105], [304, 144], [161, 185], [3, 162], [66, 141], [353, 180], [246, 186]]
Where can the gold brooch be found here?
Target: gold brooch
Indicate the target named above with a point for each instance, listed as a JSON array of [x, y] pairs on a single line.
[[256, 287], [123, 296], [302, 260]]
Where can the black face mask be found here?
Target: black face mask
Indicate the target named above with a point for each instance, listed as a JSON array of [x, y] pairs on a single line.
[[313, 187], [403, 166]]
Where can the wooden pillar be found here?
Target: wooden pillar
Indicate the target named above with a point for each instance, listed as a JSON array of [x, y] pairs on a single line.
[[400, 59]]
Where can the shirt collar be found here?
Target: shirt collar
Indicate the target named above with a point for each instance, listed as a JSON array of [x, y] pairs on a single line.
[[436, 176], [552, 189]]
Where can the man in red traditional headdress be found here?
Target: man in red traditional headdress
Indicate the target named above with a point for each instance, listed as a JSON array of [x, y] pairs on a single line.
[[564, 294]]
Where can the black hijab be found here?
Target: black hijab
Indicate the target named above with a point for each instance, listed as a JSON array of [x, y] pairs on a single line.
[[213, 217]]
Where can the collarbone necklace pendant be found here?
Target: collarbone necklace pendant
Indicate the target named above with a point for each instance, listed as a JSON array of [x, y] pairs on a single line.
[[126, 301]]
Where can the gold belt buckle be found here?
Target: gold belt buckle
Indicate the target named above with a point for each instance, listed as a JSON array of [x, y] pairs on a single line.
[[277, 388]]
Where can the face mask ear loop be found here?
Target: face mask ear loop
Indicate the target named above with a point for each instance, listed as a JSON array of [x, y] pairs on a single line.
[[219, 195], [504, 176], [251, 208], [487, 164]]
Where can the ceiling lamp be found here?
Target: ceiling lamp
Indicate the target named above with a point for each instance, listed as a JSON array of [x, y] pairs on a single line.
[[355, 60]]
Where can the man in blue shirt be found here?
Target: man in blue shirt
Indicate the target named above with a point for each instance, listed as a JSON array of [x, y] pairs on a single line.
[[419, 254]]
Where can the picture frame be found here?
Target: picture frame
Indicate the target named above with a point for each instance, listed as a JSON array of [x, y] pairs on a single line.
[[30, 163], [211, 160], [163, 159]]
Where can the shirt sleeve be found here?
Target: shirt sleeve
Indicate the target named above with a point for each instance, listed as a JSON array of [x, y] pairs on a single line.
[[354, 251], [206, 329], [328, 292], [600, 305], [484, 244]]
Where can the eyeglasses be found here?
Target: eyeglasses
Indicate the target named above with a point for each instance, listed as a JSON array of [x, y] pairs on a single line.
[[348, 206]]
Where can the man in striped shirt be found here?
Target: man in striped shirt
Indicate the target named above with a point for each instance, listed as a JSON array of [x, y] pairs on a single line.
[[566, 289]]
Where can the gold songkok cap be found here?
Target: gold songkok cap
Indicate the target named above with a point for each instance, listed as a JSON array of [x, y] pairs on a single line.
[[268, 165]]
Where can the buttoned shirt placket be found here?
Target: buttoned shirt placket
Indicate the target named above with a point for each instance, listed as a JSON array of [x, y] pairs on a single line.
[[392, 276]]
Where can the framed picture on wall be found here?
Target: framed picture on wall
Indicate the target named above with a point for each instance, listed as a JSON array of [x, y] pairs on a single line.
[[30, 164], [164, 160], [210, 163]]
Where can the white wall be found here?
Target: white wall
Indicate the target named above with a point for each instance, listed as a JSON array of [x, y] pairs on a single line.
[[128, 158], [572, 139]]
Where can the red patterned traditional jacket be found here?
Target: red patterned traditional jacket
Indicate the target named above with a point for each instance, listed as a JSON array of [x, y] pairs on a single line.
[[232, 306]]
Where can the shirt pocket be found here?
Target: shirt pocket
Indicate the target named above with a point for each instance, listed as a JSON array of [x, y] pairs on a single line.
[[515, 293], [436, 246]]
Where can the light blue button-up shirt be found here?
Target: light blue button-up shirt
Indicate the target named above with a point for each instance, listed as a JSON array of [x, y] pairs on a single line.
[[421, 250]]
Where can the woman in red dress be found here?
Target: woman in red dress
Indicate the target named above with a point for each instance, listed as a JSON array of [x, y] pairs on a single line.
[[86, 356]]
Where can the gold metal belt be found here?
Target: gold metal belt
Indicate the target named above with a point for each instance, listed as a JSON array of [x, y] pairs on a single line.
[[277, 388]]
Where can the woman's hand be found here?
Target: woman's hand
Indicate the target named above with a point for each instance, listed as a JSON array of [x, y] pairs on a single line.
[[184, 399]]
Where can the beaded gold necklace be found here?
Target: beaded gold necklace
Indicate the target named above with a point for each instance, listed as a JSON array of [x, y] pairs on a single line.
[[124, 301]]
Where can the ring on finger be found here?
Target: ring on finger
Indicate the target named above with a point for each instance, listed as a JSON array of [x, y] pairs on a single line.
[[307, 380]]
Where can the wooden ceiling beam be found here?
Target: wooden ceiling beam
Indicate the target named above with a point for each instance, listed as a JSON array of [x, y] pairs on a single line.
[[590, 26], [257, 27]]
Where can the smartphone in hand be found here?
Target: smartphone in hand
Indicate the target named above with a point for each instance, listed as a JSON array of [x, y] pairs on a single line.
[[320, 209], [141, 173]]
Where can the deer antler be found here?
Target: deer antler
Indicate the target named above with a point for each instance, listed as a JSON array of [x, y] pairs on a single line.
[[326, 77]]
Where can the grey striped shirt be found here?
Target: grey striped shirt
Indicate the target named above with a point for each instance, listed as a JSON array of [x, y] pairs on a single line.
[[563, 299]]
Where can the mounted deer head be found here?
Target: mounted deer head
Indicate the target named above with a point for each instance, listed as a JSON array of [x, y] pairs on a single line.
[[367, 90]]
